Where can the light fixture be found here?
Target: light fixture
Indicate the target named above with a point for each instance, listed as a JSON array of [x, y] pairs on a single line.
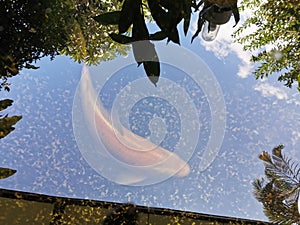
[[210, 31]]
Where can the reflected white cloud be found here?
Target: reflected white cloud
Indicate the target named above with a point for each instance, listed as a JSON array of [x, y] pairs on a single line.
[[267, 90]]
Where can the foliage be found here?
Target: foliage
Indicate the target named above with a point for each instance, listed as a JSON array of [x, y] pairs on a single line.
[[33, 29], [277, 25], [132, 14], [280, 194], [7, 122], [88, 42], [6, 126], [6, 172], [167, 14], [123, 214]]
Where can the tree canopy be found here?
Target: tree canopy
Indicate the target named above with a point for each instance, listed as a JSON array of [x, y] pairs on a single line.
[[278, 26], [277, 22], [31, 29]]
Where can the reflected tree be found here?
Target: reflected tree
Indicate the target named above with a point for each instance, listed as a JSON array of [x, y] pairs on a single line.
[[7, 122], [276, 25], [167, 14], [31, 29], [126, 214], [6, 126], [279, 193]]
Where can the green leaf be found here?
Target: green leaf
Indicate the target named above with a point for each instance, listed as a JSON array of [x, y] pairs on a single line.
[[109, 18], [173, 35], [129, 8], [158, 36], [186, 23], [29, 66], [139, 30], [187, 15], [120, 38], [5, 103], [167, 21], [152, 69], [6, 172], [6, 125]]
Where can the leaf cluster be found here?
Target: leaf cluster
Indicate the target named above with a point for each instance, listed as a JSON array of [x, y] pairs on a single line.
[[277, 24], [167, 14], [6, 126], [7, 122], [280, 193], [32, 29], [6, 172]]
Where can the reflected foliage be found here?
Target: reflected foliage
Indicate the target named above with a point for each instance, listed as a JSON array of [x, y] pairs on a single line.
[[7, 122], [216, 13], [33, 29], [278, 26], [6, 126], [167, 14], [279, 194], [17, 207], [6, 172], [126, 214]]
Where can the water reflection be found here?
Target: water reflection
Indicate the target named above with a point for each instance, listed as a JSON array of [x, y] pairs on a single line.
[[126, 157], [45, 151], [30, 30], [126, 214], [7, 122], [6, 126], [279, 194]]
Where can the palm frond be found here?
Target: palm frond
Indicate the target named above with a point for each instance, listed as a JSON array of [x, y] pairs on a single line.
[[283, 171], [279, 193]]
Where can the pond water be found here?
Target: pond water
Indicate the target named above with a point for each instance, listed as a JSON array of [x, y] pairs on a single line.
[[208, 109]]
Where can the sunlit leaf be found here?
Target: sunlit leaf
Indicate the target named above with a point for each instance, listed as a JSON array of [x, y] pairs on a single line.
[[265, 157], [6, 172], [5, 103], [6, 124], [276, 24]]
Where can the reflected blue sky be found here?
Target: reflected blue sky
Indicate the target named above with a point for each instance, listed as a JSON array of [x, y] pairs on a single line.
[[259, 116]]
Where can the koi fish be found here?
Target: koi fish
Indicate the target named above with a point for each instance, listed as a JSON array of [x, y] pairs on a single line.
[[125, 146]]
